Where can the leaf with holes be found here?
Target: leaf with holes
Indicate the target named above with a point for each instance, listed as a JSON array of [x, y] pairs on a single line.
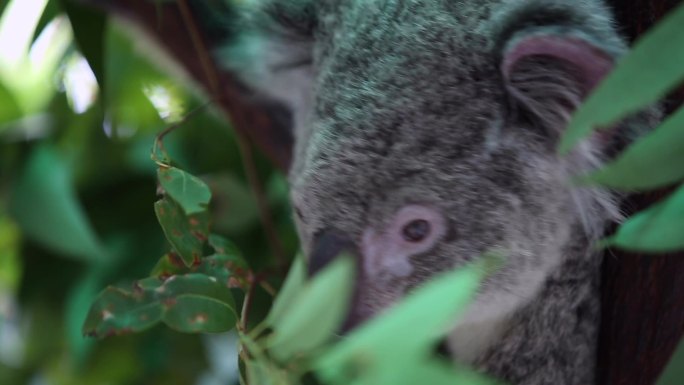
[[187, 190], [186, 233], [117, 311], [188, 303], [653, 161], [168, 265], [660, 228]]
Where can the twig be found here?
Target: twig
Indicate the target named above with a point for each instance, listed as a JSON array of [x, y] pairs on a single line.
[[244, 144], [159, 140]]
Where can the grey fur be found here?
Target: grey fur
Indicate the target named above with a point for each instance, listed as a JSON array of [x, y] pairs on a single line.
[[403, 101]]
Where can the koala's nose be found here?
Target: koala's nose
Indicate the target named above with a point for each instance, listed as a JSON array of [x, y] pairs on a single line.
[[327, 245]]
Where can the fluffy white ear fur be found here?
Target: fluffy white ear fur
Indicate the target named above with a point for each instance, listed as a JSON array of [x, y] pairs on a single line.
[[551, 74]]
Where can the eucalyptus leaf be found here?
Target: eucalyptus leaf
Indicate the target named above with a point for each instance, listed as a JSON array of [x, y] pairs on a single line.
[[651, 69], [188, 303], [289, 292], [187, 190], [221, 245], [194, 313], [316, 313], [169, 264], [376, 345], [674, 371], [660, 228], [654, 161], [260, 372], [186, 234]]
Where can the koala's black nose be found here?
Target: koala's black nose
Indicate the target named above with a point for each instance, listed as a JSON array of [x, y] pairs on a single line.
[[327, 245]]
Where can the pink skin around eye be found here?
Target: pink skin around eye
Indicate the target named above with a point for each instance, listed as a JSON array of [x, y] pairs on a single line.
[[386, 251]]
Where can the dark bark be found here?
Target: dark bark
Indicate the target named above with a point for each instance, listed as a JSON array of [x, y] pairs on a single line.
[[643, 295]]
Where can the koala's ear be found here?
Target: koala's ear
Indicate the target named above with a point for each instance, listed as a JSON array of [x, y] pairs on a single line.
[[550, 74]]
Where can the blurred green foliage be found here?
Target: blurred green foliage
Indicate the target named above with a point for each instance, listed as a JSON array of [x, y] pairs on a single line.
[[77, 188]]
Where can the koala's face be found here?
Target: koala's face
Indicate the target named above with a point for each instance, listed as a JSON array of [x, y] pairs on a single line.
[[425, 138]]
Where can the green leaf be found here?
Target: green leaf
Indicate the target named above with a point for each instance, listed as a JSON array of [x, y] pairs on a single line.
[[187, 190], [375, 345], [229, 270], [89, 32], [198, 285], [187, 303], [117, 312], [186, 234], [649, 71], [168, 265], [674, 371], [46, 208], [654, 161], [9, 108], [316, 313], [265, 373], [660, 228], [10, 258], [227, 266], [289, 292], [193, 313], [222, 245]]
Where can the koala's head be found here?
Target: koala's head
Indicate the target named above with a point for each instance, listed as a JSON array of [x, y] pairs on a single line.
[[426, 135]]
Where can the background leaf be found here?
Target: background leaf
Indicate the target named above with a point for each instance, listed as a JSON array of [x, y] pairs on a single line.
[[661, 150], [674, 372], [656, 229], [56, 219]]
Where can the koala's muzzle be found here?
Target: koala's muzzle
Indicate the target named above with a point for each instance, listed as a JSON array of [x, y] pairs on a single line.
[[327, 245]]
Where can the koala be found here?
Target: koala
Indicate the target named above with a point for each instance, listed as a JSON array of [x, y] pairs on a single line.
[[425, 136]]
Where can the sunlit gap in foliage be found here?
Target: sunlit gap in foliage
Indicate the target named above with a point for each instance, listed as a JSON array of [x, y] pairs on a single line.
[[28, 67], [17, 26], [166, 101], [79, 84]]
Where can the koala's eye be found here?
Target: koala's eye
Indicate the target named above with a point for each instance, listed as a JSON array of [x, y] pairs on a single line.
[[416, 230]]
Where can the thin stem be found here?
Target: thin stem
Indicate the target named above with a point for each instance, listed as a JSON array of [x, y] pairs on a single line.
[[244, 145], [159, 140]]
